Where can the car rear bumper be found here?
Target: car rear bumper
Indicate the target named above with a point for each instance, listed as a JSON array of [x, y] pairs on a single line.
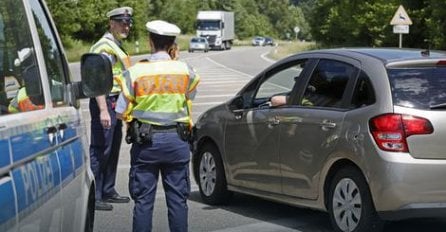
[[404, 187]]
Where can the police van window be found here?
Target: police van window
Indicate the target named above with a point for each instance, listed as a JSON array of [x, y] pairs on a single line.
[[20, 86], [52, 55], [327, 83]]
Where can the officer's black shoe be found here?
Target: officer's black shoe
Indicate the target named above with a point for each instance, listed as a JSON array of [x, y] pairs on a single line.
[[100, 205], [117, 199]]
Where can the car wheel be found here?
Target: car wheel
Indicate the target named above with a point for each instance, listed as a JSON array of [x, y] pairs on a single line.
[[89, 220], [350, 204], [212, 180], [190, 50]]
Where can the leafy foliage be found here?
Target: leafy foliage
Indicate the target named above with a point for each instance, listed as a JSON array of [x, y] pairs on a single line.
[[329, 22]]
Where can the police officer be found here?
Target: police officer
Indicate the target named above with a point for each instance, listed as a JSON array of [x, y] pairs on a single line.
[[157, 98], [106, 129]]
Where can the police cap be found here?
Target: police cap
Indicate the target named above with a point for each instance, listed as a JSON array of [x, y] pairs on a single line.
[[164, 28], [121, 13]]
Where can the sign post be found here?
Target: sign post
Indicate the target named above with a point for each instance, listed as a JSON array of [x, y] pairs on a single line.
[[401, 22], [296, 31]]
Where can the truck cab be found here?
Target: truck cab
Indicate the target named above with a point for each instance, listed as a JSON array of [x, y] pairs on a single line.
[[45, 179], [217, 27]]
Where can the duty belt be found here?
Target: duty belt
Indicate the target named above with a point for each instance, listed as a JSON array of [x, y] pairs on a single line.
[[164, 129]]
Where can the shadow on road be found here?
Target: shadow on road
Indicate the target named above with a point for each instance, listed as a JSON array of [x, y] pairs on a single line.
[[306, 220]]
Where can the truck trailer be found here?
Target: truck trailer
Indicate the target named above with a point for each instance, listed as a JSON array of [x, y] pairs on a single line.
[[217, 27]]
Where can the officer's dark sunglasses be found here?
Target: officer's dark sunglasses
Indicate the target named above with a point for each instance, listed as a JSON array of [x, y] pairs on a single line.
[[124, 22]]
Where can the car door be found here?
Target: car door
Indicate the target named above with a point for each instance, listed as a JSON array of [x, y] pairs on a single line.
[[65, 120], [310, 129], [44, 177], [252, 135]]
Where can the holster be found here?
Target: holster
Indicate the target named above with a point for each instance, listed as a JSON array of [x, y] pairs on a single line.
[[184, 132], [138, 132]]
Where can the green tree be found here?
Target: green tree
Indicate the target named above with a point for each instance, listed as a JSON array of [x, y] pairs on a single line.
[[65, 13]]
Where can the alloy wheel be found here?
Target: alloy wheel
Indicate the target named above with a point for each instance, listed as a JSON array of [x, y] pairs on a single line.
[[208, 173]]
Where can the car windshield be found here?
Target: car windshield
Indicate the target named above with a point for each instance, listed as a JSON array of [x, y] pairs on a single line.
[[197, 40], [420, 88]]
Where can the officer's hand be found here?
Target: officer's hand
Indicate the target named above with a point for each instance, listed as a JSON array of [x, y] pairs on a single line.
[[105, 119]]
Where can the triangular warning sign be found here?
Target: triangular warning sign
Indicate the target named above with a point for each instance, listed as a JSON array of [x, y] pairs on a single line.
[[401, 17]]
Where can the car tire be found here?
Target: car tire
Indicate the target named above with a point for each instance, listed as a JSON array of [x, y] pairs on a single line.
[[89, 219], [350, 203], [211, 176], [190, 50]]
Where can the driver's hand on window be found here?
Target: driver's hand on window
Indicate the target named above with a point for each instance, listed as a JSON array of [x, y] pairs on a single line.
[[278, 100]]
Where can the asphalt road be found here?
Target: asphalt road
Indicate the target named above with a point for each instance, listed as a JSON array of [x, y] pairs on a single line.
[[223, 74]]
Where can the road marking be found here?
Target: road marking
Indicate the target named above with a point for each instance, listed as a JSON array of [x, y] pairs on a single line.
[[283, 224], [225, 67]]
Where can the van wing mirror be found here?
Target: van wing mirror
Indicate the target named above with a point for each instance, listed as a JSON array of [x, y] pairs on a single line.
[[96, 74]]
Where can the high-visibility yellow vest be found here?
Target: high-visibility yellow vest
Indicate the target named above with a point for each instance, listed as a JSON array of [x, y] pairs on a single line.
[[22, 103], [158, 92], [123, 60]]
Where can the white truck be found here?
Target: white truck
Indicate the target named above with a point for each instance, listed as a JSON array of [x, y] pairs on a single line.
[[217, 27]]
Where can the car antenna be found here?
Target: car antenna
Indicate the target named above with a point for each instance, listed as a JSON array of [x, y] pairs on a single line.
[[427, 51]]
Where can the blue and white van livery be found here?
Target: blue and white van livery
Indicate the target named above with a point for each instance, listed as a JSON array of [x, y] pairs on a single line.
[[45, 179]]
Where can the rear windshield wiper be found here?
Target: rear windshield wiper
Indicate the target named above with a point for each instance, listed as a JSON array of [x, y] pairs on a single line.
[[438, 106]]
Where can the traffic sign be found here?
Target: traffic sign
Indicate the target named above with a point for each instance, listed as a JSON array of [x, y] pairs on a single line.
[[401, 29], [296, 30], [401, 17]]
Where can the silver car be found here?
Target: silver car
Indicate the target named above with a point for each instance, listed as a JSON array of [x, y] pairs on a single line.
[[361, 136], [198, 44]]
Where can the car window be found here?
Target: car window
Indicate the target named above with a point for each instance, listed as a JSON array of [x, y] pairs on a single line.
[[18, 62], [364, 93], [327, 83], [280, 81], [420, 88], [52, 55]]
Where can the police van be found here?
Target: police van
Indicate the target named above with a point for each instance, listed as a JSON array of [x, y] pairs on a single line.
[[45, 179]]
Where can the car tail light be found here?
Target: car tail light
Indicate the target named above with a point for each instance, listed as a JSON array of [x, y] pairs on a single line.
[[441, 62], [391, 130]]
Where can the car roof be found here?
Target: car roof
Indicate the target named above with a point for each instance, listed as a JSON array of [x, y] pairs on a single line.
[[386, 55]]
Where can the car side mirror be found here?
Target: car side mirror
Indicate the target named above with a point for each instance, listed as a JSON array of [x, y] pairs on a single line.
[[96, 74]]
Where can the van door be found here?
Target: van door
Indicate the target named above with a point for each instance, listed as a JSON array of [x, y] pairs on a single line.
[[7, 199], [40, 129], [66, 122]]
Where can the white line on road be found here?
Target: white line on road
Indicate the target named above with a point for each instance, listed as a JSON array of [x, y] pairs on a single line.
[[223, 66]]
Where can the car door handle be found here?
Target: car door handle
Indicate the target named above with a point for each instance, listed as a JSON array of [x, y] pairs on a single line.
[[61, 129], [51, 131], [326, 124], [273, 121]]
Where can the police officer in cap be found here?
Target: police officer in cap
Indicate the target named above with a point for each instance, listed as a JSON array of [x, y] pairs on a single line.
[[106, 128], [158, 99]]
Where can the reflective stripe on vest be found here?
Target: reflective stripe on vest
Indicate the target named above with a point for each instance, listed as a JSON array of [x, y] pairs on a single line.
[[123, 60], [159, 91], [23, 103]]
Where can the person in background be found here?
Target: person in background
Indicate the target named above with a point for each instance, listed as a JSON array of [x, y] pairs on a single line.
[[159, 92], [106, 128]]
